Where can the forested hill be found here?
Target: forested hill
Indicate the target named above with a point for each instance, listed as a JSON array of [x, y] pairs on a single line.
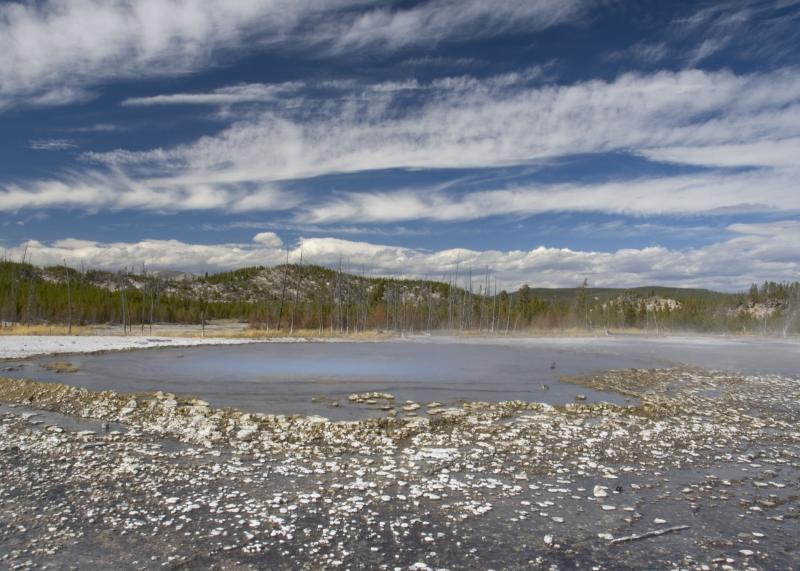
[[316, 298], [608, 293]]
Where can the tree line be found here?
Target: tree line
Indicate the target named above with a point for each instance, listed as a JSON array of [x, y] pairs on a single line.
[[293, 297]]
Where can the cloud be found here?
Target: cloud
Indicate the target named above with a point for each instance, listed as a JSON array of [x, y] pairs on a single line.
[[244, 93], [96, 128], [57, 52], [383, 230], [706, 193], [337, 89], [54, 50], [752, 253], [155, 254], [766, 153], [745, 127], [268, 239], [642, 52], [388, 28], [707, 49], [443, 62], [754, 30], [52, 144], [93, 191], [498, 121]]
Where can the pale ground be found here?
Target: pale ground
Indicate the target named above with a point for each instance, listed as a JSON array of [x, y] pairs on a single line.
[[22, 346], [21, 341]]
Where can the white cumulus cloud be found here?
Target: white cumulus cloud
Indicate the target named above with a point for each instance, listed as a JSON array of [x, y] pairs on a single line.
[[752, 253]]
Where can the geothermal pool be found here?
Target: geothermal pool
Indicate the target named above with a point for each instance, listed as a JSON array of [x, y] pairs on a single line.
[[305, 378]]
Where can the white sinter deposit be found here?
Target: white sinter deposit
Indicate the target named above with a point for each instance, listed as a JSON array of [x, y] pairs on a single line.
[[22, 346]]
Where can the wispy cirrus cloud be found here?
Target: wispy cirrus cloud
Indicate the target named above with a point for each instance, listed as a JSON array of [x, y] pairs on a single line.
[[744, 127], [389, 28], [732, 123], [244, 93], [338, 89], [478, 123], [708, 193], [52, 144], [94, 191], [748, 29], [57, 52], [96, 128]]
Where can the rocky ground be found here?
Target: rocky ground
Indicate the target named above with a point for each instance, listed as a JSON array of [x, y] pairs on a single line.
[[702, 473]]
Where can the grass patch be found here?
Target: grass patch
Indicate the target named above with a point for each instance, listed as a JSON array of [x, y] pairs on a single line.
[[60, 367], [21, 329]]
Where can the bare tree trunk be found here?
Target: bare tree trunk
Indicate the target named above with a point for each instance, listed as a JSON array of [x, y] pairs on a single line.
[[153, 300], [455, 285], [430, 309], [144, 298], [13, 296], [31, 296], [15, 284], [386, 297], [494, 303], [123, 302], [69, 299], [464, 302], [283, 290], [296, 294]]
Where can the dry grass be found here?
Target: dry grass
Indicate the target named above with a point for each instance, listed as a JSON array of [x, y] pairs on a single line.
[[60, 367], [261, 334], [188, 331], [20, 329], [235, 330]]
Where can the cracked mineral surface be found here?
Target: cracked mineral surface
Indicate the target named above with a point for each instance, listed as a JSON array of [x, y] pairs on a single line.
[[702, 472]]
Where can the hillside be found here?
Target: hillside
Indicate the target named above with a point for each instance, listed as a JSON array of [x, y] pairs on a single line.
[[605, 294]]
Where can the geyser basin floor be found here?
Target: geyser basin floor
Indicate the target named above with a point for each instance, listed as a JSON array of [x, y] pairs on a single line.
[[504, 486]]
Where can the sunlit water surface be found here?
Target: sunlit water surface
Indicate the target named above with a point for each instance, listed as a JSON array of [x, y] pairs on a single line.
[[289, 378]]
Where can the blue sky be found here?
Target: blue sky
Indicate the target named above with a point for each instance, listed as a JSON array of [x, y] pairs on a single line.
[[629, 143]]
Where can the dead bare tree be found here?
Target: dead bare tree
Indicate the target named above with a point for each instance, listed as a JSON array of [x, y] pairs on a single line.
[[154, 299], [122, 288], [508, 313], [144, 297], [283, 290], [15, 279], [296, 294], [430, 308], [494, 303], [31, 291], [69, 299], [453, 289], [204, 293], [467, 287]]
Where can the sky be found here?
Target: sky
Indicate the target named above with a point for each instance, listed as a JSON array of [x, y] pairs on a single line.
[[543, 141]]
